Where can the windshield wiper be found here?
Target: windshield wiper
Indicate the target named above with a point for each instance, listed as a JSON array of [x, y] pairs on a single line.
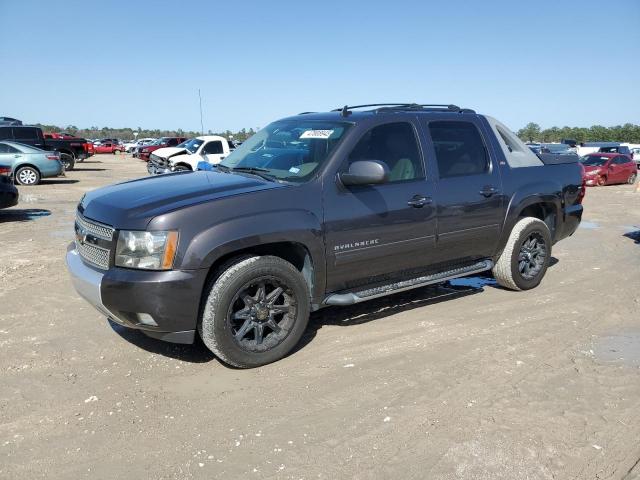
[[261, 172]]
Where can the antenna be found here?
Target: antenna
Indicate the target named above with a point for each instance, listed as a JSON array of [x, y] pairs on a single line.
[[201, 124]]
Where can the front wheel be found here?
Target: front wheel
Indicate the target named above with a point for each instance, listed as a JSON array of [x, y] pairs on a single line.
[[181, 168], [632, 179], [115, 152], [602, 181], [27, 176], [255, 312], [526, 256]]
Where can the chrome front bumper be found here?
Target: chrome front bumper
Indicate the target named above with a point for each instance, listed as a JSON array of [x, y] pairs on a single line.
[[87, 282]]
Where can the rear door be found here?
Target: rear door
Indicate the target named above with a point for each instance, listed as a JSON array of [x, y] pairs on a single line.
[[468, 190], [623, 167], [28, 136]]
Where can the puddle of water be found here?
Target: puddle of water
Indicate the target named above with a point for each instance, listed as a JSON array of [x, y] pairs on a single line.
[[623, 348], [589, 225], [474, 282]]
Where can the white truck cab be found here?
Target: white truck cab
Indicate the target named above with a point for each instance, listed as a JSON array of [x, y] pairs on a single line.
[[186, 156]]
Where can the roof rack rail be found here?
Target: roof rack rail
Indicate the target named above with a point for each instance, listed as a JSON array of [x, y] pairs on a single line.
[[10, 121], [434, 107]]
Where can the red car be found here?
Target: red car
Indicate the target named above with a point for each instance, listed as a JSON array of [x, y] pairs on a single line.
[[108, 147], [144, 152], [609, 169]]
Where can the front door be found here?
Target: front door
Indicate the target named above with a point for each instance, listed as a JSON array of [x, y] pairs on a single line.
[[213, 152], [469, 197], [378, 232]]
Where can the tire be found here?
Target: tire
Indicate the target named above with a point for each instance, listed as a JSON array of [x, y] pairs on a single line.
[[27, 176], [181, 168], [237, 319], [601, 181], [115, 152], [68, 162], [510, 271], [632, 179]]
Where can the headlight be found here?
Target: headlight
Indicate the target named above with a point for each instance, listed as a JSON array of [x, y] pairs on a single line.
[[593, 172], [146, 250]]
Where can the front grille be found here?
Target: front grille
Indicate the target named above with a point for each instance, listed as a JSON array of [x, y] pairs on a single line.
[[94, 241], [95, 255], [94, 228]]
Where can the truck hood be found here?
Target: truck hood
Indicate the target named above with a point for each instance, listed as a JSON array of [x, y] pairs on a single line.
[[132, 205], [167, 152]]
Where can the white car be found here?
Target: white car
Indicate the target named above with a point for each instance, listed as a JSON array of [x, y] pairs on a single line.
[[186, 156], [129, 146]]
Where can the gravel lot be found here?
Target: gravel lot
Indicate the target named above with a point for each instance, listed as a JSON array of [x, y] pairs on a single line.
[[471, 382]]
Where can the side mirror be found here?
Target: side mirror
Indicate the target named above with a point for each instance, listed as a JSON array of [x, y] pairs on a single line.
[[366, 172]]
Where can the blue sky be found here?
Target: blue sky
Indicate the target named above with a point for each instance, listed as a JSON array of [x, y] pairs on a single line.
[[140, 63]]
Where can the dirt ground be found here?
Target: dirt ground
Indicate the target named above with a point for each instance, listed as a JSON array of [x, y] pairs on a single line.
[[468, 382]]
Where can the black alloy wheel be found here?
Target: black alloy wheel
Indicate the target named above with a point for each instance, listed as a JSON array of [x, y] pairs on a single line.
[[532, 256], [262, 314]]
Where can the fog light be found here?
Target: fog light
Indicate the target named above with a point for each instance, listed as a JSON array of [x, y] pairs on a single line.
[[146, 319]]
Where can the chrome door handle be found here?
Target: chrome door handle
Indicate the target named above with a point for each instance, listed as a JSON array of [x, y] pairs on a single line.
[[419, 201]]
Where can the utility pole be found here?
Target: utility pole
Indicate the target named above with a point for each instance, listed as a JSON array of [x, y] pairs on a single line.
[[201, 124]]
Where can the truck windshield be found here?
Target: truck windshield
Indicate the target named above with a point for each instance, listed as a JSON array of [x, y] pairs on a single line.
[[288, 150], [594, 160], [192, 145]]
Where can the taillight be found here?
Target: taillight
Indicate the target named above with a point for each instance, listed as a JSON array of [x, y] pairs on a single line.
[[4, 170], [53, 157], [583, 188]]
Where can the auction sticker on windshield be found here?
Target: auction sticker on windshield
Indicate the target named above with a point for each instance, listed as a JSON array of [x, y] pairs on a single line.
[[316, 134]]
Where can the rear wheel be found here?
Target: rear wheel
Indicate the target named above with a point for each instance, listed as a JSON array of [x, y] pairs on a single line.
[[181, 168], [525, 258], [255, 312], [115, 152], [27, 176], [632, 179], [67, 160]]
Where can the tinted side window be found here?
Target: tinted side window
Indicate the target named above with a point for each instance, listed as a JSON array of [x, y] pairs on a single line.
[[29, 134], [394, 144], [172, 142], [621, 160], [212, 147], [5, 133], [459, 149]]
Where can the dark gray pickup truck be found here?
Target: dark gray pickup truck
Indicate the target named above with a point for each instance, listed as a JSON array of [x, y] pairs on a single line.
[[321, 209]]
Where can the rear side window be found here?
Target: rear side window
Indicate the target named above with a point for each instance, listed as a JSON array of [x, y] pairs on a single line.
[[4, 148], [28, 134], [173, 142], [212, 147], [621, 160], [5, 133], [459, 149]]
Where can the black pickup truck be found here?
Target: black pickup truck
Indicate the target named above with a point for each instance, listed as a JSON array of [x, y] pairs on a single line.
[[71, 150], [321, 209]]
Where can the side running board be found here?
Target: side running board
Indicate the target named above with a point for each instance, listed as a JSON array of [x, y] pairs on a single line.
[[349, 298]]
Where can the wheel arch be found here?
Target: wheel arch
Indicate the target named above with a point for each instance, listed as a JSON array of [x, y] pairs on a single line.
[[183, 164]]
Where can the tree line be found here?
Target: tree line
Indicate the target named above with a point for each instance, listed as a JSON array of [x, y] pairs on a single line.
[[127, 133], [628, 133]]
